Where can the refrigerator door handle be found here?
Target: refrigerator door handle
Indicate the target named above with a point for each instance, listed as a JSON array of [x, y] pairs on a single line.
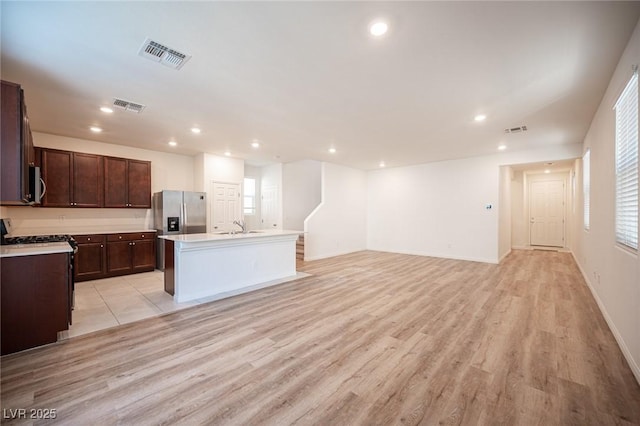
[[185, 221]]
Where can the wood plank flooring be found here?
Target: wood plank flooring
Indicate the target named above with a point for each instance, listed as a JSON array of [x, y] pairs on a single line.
[[370, 338]]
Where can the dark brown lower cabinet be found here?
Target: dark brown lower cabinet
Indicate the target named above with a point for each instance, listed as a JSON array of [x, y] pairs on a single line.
[[169, 267], [143, 255], [108, 255], [119, 257], [91, 258], [35, 300]]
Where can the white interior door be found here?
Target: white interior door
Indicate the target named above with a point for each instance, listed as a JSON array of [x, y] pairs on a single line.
[[546, 208], [225, 206], [269, 207]]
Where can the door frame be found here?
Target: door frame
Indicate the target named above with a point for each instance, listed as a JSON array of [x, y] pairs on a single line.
[[539, 176]]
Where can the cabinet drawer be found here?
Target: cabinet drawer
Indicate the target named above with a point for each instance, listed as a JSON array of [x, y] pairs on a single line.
[[130, 236], [88, 239]]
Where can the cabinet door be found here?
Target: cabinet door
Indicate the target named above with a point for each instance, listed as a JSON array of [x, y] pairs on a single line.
[[35, 300], [88, 180], [28, 152], [90, 261], [16, 146], [57, 175], [143, 255], [115, 182], [139, 184], [118, 257], [10, 184]]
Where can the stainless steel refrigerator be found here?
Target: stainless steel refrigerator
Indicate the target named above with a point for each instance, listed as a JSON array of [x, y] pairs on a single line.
[[178, 212]]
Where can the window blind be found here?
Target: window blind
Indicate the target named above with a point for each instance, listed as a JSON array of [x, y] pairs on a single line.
[[586, 186], [626, 109]]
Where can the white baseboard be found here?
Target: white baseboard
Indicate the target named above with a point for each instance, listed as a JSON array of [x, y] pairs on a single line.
[[333, 254], [635, 369], [504, 255], [438, 255]]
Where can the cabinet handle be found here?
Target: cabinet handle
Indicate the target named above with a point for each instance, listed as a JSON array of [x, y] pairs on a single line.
[[120, 237], [101, 245], [133, 244], [89, 239]]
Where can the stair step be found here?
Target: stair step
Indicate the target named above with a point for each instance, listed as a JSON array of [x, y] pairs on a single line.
[[300, 247]]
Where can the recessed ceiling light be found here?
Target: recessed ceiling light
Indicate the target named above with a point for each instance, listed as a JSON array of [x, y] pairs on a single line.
[[332, 150], [502, 147], [378, 28], [195, 130], [173, 143], [106, 110], [480, 117], [255, 144], [95, 129], [227, 153], [382, 164], [547, 171]]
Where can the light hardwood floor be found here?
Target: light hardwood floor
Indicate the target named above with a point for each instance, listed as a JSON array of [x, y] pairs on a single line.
[[369, 338]]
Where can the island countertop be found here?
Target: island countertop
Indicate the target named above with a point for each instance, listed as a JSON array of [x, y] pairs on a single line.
[[210, 237]]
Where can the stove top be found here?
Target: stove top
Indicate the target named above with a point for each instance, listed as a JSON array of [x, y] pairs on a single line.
[[34, 239], [41, 239]]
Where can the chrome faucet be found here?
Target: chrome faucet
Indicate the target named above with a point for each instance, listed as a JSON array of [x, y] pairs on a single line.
[[241, 224]]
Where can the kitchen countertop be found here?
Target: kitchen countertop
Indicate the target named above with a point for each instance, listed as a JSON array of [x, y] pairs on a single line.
[[194, 238], [116, 231], [13, 250], [80, 231]]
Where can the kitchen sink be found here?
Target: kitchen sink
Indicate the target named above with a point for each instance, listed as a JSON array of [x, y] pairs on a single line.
[[234, 233]]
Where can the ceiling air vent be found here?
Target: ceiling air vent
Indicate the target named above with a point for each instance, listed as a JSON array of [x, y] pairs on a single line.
[[165, 55], [128, 106], [516, 129]]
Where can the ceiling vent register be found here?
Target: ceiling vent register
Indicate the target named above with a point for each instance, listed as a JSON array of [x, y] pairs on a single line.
[[516, 129], [128, 106], [158, 52]]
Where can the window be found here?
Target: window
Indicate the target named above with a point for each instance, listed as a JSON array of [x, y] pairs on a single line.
[[586, 186], [627, 165], [249, 201]]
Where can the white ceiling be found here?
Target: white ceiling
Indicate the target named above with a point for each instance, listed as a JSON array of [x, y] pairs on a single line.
[[304, 76]]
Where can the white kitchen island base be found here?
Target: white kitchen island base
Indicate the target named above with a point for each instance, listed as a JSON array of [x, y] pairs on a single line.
[[208, 265]]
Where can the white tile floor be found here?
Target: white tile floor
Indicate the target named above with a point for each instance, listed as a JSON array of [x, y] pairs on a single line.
[[110, 302]]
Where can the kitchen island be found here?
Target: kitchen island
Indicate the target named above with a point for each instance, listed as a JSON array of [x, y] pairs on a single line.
[[219, 265]]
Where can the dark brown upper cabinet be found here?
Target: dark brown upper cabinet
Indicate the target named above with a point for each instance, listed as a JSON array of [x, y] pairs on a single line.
[[16, 147], [72, 179], [127, 183]]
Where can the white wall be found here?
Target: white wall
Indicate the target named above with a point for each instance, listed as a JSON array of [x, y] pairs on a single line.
[[253, 221], [338, 225], [436, 209], [613, 273], [168, 171], [210, 168], [519, 222], [439, 209], [271, 213], [504, 212], [301, 192]]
